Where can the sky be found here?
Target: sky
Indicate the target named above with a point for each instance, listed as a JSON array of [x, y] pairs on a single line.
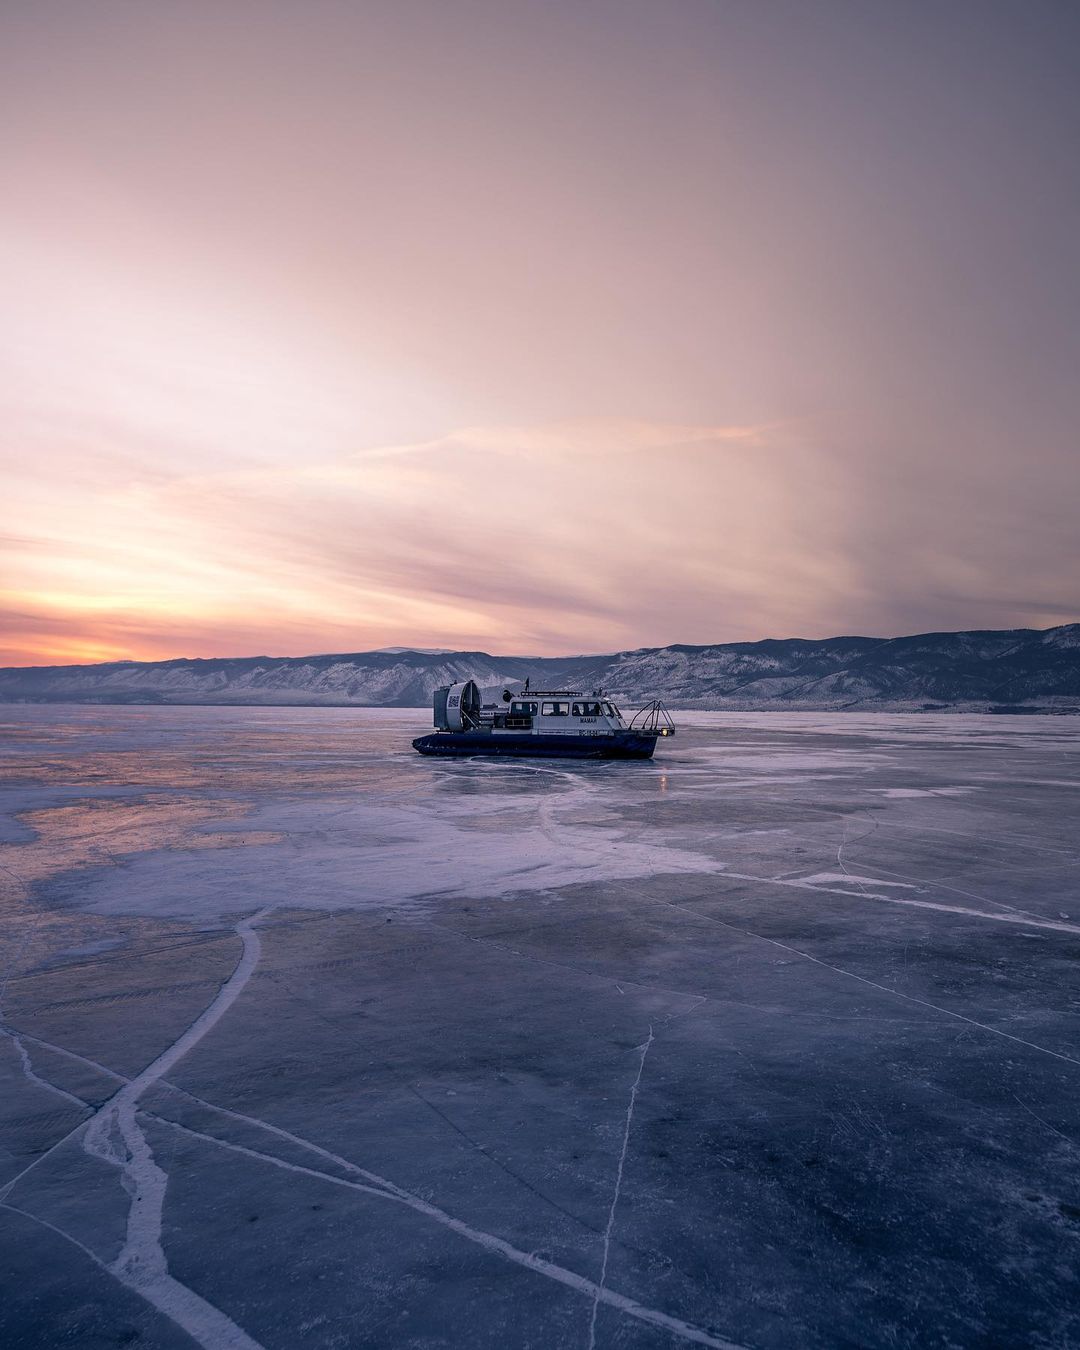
[[534, 326]]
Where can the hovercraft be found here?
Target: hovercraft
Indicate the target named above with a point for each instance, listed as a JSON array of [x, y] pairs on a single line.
[[554, 723]]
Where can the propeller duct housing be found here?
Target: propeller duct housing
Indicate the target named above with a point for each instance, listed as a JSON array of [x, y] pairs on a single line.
[[457, 706]]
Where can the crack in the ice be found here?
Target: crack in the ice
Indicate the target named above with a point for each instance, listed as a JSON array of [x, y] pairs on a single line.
[[29, 1072], [386, 1190], [786, 879], [1030, 915], [375, 1185], [436, 1110], [141, 1265], [24, 1055], [601, 1285], [1052, 924], [702, 999], [843, 844], [923, 881], [60, 1232], [67, 1054], [65, 968], [560, 965], [998, 839], [1054, 1128], [884, 988]]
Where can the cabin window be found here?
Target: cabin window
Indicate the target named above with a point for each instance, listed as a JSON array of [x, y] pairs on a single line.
[[556, 709], [522, 709], [611, 710], [586, 709]]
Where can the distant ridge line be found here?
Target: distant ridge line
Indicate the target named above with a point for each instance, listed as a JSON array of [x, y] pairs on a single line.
[[1021, 669]]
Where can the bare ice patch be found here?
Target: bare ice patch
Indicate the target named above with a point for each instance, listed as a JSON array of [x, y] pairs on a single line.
[[835, 878], [925, 792]]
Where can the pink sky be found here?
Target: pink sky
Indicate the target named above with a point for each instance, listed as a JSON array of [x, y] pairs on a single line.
[[534, 327]]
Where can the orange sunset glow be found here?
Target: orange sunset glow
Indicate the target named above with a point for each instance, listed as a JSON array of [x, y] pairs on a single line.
[[531, 328]]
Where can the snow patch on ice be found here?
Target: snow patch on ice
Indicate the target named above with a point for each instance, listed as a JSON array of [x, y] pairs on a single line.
[[362, 854], [832, 878]]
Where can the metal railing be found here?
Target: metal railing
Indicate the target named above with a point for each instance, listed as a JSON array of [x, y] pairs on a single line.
[[653, 720]]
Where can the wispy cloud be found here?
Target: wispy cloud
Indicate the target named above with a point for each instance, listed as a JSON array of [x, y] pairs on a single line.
[[596, 535], [293, 362]]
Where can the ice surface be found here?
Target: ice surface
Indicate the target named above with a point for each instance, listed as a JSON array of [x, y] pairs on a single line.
[[309, 1040]]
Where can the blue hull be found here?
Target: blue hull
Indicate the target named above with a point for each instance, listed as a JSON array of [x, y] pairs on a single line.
[[622, 745]]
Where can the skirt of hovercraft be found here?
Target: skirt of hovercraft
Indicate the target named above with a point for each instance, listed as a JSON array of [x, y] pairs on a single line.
[[622, 745]]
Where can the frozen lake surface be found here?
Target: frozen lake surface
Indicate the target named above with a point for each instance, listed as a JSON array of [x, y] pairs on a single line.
[[311, 1042]]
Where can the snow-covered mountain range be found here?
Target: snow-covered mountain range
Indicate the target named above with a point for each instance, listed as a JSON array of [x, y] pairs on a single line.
[[980, 670]]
